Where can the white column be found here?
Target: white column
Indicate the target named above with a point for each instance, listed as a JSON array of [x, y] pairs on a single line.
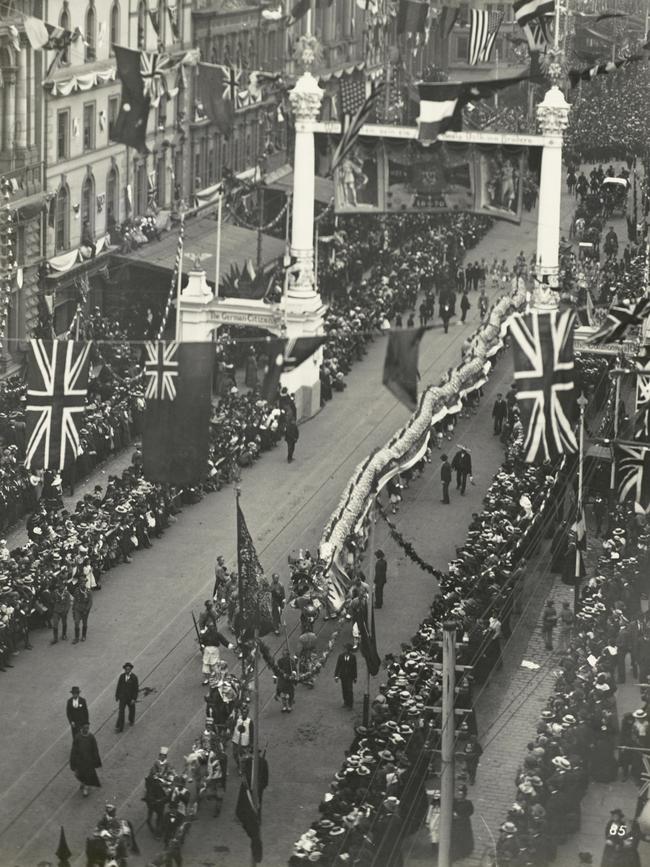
[[8, 138], [21, 101], [553, 117], [305, 100]]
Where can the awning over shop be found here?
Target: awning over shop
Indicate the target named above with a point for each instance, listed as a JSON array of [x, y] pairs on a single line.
[[237, 245], [282, 180]]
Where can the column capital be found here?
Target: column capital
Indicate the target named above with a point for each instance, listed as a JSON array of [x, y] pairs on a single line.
[[306, 97], [553, 112]]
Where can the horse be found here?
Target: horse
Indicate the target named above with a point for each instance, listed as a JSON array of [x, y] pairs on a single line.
[[104, 849], [156, 797]]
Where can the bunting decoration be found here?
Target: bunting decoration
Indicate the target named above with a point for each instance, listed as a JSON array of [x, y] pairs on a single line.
[[632, 468], [576, 75], [407, 547], [57, 387], [178, 260], [544, 373]]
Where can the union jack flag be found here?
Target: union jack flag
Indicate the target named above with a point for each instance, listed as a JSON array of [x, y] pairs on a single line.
[[161, 370], [153, 68], [231, 81], [642, 421], [57, 386], [543, 352], [633, 473], [619, 319]]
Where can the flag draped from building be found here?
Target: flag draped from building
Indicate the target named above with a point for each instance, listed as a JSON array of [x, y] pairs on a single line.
[[254, 599], [632, 468], [642, 418], [483, 28], [368, 640], [588, 74], [401, 365], [528, 10], [544, 373], [249, 817], [57, 387], [412, 16], [352, 94], [130, 127], [619, 319], [351, 133], [439, 104], [172, 13], [48, 37], [178, 386], [211, 83], [274, 350]]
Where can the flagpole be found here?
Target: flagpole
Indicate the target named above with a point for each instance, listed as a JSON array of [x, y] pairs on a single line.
[[371, 582], [179, 283], [255, 766], [612, 475], [582, 403], [239, 587], [217, 258]]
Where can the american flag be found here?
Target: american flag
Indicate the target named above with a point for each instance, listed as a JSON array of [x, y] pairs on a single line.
[[153, 68], [57, 386], [543, 352], [353, 129], [633, 473], [484, 26], [161, 370], [352, 94], [619, 319], [642, 423]]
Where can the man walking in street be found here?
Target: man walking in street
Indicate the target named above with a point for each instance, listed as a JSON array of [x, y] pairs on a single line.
[[61, 602], [462, 464], [381, 568], [549, 619], [277, 602], [291, 435], [499, 413], [76, 710], [126, 693], [211, 639], [82, 602], [445, 478], [346, 672]]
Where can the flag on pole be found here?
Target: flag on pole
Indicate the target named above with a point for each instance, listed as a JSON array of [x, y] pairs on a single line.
[[57, 387], [249, 817], [47, 37], [368, 640], [178, 390], [130, 127], [284, 355], [642, 420], [353, 130], [401, 365], [544, 373], [412, 16], [632, 473], [352, 94], [211, 82], [483, 29], [619, 319], [528, 10], [254, 612], [439, 104]]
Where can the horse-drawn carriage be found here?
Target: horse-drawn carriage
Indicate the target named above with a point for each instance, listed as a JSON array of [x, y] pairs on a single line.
[[615, 193]]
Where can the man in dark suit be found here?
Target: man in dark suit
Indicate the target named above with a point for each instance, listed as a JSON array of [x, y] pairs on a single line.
[[126, 694], [445, 478], [76, 710], [346, 672], [381, 569], [462, 463]]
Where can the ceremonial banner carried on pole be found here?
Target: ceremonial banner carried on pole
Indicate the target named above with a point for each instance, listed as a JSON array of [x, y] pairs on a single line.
[[57, 387], [633, 473], [544, 373], [176, 433], [401, 365], [254, 614]]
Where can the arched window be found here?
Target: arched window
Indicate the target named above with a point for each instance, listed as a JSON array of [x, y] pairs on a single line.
[[62, 219], [112, 197], [114, 25], [64, 22], [88, 203], [162, 21], [142, 25], [90, 34]]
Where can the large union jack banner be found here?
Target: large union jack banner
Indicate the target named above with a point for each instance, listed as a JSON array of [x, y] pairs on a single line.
[[642, 421], [161, 370], [633, 473], [543, 351], [57, 385]]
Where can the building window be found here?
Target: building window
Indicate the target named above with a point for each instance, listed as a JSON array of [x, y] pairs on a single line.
[[63, 134], [112, 197], [89, 126], [113, 111], [114, 25], [90, 35], [161, 181], [142, 25], [62, 219], [140, 188], [88, 202], [462, 48], [64, 22]]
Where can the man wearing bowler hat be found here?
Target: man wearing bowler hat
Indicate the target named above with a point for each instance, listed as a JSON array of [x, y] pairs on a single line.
[[126, 694], [76, 710]]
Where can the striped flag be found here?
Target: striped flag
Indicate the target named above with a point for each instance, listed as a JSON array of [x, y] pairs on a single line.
[[576, 75], [633, 473], [351, 133], [438, 104], [528, 10], [484, 26]]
